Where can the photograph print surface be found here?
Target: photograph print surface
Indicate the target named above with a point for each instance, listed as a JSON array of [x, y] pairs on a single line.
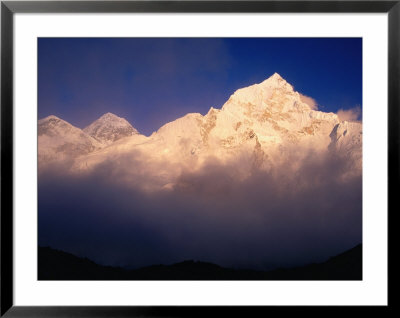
[[199, 158]]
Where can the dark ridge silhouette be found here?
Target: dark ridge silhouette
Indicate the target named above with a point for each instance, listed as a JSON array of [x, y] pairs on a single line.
[[58, 265]]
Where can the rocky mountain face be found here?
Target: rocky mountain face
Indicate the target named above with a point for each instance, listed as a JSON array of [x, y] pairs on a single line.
[[262, 127], [109, 128]]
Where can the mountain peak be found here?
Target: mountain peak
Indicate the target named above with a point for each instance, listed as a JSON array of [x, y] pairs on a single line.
[[52, 122], [109, 128], [276, 81], [109, 116], [58, 140], [48, 118], [276, 76], [269, 93], [110, 119]]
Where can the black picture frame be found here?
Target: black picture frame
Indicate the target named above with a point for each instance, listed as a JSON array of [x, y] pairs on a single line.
[[8, 8]]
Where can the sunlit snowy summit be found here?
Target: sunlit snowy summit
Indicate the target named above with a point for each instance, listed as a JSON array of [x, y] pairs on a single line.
[[265, 126]]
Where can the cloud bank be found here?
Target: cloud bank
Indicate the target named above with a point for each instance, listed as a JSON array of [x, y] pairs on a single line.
[[285, 217]]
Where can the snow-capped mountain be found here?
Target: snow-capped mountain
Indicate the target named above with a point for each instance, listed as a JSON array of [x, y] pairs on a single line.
[[263, 126], [109, 128], [58, 140]]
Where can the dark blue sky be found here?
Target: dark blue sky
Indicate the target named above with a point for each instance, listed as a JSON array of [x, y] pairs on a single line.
[[151, 81]]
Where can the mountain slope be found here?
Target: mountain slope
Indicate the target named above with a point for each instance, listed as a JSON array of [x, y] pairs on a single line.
[[58, 140]]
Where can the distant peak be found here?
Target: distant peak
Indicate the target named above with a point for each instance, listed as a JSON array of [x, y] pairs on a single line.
[[49, 118], [52, 119], [110, 119], [109, 128], [109, 116]]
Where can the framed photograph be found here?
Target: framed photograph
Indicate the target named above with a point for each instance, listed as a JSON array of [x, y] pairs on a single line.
[[169, 158]]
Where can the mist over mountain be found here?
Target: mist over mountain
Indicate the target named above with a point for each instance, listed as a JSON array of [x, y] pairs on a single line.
[[267, 180]]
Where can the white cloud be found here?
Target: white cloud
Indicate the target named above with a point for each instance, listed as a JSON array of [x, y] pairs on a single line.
[[352, 114], [309, 101]]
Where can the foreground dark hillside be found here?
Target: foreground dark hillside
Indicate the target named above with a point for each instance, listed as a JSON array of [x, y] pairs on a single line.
[[58, 265]]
